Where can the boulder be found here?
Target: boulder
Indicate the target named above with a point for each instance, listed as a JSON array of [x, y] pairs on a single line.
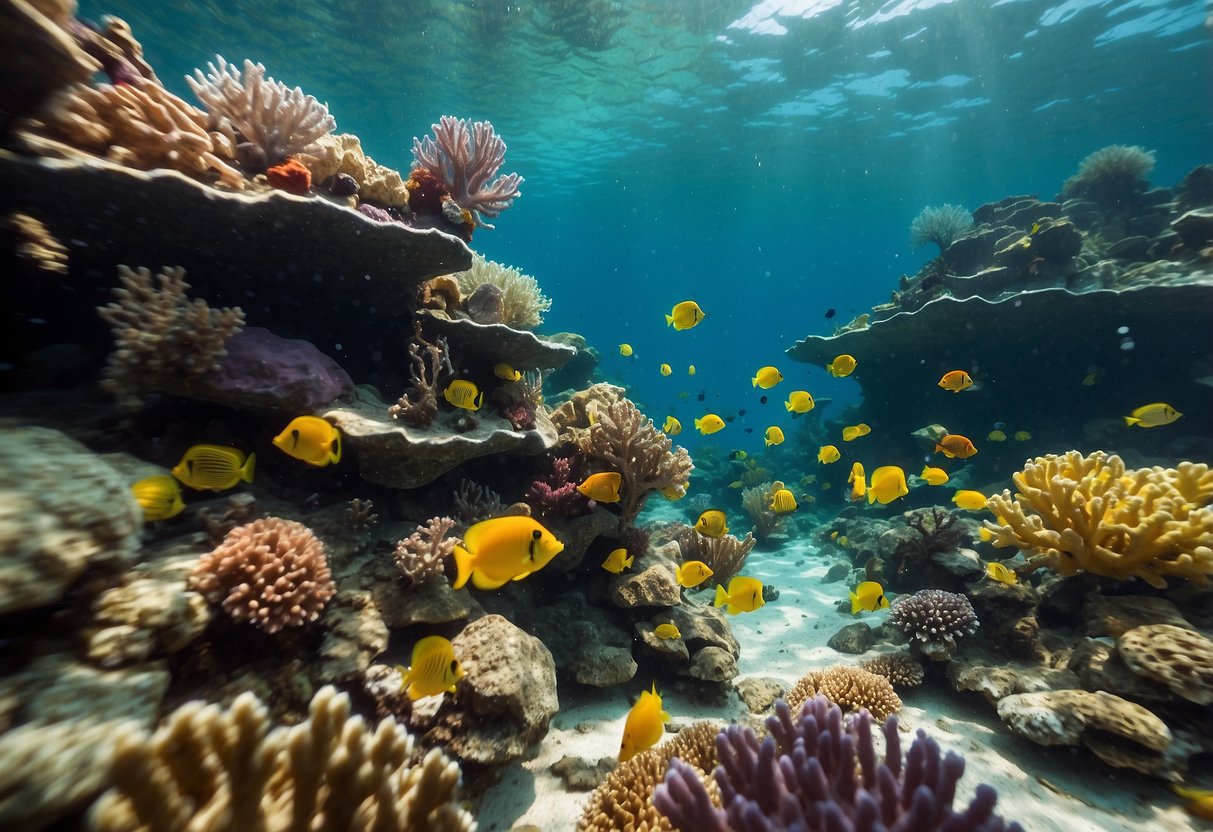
[[854, 639], [650, 582], [354, 635], [702, 624], [666, 648], [1179, 658], [759, 693], [713, 664]]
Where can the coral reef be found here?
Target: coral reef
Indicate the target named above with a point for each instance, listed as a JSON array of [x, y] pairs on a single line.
[[335, 155], [1076, 513], [272, 573], [814, 770], [43, 58], [476, 502], [1179, 658], [850, 688], [422, 555], [756, 502], [940, 225], [934, 619], [430, 364], [555, 495], [937, 533], [522, 302], [332, 771], [901, 669], [1111, 174], [465, 156], [725, 556]]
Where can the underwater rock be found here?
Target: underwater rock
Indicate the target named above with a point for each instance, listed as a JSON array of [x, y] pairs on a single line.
[[62, 510], [432, 601], [1100, 667], [650, 582], [713, 664], [577, 535], [971, 252], [759, 693], [996, 681], [495, 343], [854, 639], [1008, 616], [354, 635], [1113, 615], [1130, 248], [1180, 659], [574, 645], [576, 374], [700, 624], [836, 573], [486, 304], [601, 665], [397, 455], [666, 648], [1195, 227], [580, 775]]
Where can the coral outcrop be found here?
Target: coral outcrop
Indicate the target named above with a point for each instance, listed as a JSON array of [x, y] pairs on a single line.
[[934, 620], [1179, 658], [335, 155], [850, 688], [901, 669], [522, 301], [725, 555], [465, 155], [422, 555]]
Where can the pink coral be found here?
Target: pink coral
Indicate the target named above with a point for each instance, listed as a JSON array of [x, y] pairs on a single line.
[[271, 572], [465, 155], [556, 494]]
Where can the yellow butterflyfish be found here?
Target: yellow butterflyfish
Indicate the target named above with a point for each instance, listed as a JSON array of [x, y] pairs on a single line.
[[692, 573], [773, 436], [743, 595], [934, 476], [868, 597], [1001, 573], [970, 500], [888, 483], [665, 369], [842, 366], [859, 482], [853, 432], [766, 378], [956, 380], [799, 401], [672, 426], [463, 394], [1152, 415], [827, 454], [214, 467], [625, 350], [602, 487], [712, 523], [311, 439], [1022, 436], [506, 372], [709, 424], [644, 726], [434, 669], [617, 561], [685, 315], [783, 502], [503, 549], [159, 496], [666, 631], [997, 435]]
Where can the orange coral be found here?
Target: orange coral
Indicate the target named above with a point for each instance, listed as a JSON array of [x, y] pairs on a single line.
[[291, 176], [426, 191]]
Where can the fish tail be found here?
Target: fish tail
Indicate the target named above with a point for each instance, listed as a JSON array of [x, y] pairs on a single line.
[[787, 406], [250, 464], [855, 605], [335, 451], [871, 496], [754, 381], [678, 574], [628, 563], [463, 567], [1130, 421], [669, 320], [479, 401], [722, 597]]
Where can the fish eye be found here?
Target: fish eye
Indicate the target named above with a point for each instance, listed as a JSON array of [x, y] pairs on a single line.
[[536, 534], [295, 434], [454, 665]]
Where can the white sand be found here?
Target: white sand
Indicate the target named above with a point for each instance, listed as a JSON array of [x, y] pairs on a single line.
[[1042, 788]]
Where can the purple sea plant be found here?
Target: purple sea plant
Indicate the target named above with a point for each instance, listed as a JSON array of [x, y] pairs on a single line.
[[465, 155]]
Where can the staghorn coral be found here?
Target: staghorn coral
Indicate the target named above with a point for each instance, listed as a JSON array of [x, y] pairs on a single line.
[[161, 337], [725, 556], [628, 442], [361, 515], [1076, 513], [941, 226], [850, 688], [35, 244], [476, 502], [423, 554], [272, 573], [273, 120], [207, 768], [522, 302], [1111, 174], [901, 669], [465, 155], [418, 406], [625, 799], [815, 771], [934, 619]]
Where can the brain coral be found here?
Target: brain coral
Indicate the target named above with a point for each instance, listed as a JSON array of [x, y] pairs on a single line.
[[901, 669], [850, 688], [934, 619]]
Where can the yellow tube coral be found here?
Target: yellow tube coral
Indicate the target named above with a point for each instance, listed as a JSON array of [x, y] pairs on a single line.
[[1078, 513]]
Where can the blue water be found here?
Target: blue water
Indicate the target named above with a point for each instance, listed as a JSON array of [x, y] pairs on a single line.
[[764, 160]]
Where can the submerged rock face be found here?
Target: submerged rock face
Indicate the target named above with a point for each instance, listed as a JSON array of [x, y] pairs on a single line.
[[261, 370]]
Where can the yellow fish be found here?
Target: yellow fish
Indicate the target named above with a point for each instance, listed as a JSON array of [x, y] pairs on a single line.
[[644, 726], [997, 436], [1152, 415], [799, 401], [503, 549], [738, 456], [843, 541], [709, 424], [505, 371], [783, 502], [685, 315], [672, 426], [834, 535], [743, 595], [434, 669], [766, 378], [1022, 436], [868, 597], [853, 432], [842, 366], [625, 350], [691, 370], [602, 487], [969, 500], [665, 369], [956, 380], [617, 561], [827, 454], [1001, 573], [463, 394], [1200, 801], [859, 482], [888, 484], [934, 476], [1089, 379], [159, 497], [310, 439], [664, 631], [674, 492], [955, 446], [692, 573], [214, 467], [712, 523], [773, 436]]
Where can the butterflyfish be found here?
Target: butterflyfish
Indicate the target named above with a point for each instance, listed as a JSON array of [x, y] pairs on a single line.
[[969, 500], [888, 483], [503, 549], [644, 726], [685, 315], [665, 369], [766, 378], [743, 595], [505, 371], [1152, 415], [858, 481], [799, 401], [934, 476], [665, 631], [691, 370], [773, 436], [1200, 801], [956, 380], [853, 432], [311, 439], [672, 426], [783, 502], [1022, 436], [602, 487], [868, 597], [997, 436], [617, 561], [214, 467], [842, 366], [738, 456], [827, 454], [955, 446], [1001, 573], [625, 350], [463, 394], [712, 523], [692, 573], [159, 497], [709, 424], [674, 492], [434, 669]]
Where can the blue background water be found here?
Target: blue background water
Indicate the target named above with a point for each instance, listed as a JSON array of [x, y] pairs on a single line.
[[765, 160]]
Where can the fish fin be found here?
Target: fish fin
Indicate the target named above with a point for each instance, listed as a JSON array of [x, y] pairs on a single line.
[[463, 567], [335, 449], [678, 574], [722, 596], [482, 581], [246, 471], [479, 401], [627, 564], [516, 577], [1131, 420], [669, 320]]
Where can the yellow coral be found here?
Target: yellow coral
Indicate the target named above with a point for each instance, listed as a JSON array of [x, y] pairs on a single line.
[[1078, 513], [850, 688], [523, 304]]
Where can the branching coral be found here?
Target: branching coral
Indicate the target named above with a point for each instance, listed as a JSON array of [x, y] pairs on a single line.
[[628, 442], [815, 771], [476, 502], [934, 619], [423, 554], [431, 363], [272, 120], [725, 556], [756, 502], [207, 768], [361, 514], [1111, 174], [35, 244], [901, 669], [271, 572], [937, 533], [522, 303], [465, 155], [161, 337], [850, 688], [1078, 513], [940, 226], [556, 495]]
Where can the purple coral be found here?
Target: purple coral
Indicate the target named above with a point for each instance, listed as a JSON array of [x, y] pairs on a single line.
[[934, 619], [556, 494], [819, 773], [465, 155]]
